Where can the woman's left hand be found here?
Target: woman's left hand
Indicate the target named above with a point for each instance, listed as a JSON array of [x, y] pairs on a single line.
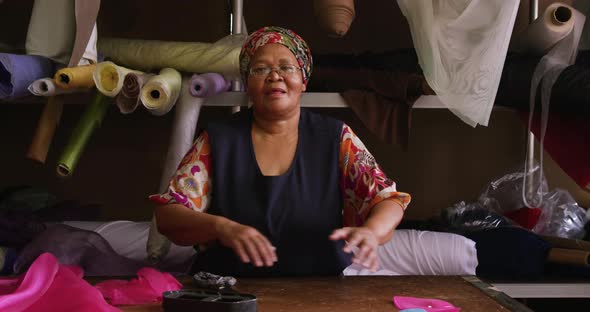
[[362, 238]]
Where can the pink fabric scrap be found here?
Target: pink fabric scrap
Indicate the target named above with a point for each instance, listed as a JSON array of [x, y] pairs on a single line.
[[146, 288], [49, 286], [429, 305]]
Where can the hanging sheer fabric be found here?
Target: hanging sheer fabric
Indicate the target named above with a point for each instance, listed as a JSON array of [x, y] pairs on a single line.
[[562, 53], [461, 47]]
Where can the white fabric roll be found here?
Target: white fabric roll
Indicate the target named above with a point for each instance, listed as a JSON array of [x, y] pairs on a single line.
[[109, 77], [129, 239], [47, 87], [461, 46], [181, 140], [412, 252], [160, 92]]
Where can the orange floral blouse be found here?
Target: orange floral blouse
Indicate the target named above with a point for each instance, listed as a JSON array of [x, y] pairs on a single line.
[[362, 181]]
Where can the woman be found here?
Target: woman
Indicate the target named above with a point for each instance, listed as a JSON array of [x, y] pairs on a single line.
[[285, 191]]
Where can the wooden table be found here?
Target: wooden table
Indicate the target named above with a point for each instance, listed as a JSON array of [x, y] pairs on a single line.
[[355, 293]]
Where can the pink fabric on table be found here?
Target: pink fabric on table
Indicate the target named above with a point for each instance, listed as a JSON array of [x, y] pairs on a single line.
[[146, 288], [49, 286], [430, 305]]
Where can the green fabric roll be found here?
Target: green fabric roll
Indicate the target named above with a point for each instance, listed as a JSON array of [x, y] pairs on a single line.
[[90, 120]]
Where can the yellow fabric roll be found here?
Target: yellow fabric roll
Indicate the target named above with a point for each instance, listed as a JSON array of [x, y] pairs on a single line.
[[196, 57], [109, 77], [160, 92], [75, 77]]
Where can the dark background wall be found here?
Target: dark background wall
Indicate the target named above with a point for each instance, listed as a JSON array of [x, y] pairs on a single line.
[[446, 161]]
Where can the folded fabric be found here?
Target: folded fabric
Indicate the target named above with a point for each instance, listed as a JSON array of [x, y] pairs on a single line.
[[17, 72], [509, 253], [50, 285], [146, 288], [72, 246]]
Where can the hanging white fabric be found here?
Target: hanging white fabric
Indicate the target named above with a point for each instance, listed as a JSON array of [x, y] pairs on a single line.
[[566, 21], [461, 46]]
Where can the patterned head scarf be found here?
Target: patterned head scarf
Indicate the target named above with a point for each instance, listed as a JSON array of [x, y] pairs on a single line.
[[274, 34]]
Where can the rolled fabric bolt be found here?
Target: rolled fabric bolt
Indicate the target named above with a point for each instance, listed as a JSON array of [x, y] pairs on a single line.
[[128, 99], [335, 16], [182, 136], [160, 92], [17, 72], [47, 87], [90, 120], [45, 129], [193, 57], [75, 77], [109, 77], [209, 84], [555, 23]]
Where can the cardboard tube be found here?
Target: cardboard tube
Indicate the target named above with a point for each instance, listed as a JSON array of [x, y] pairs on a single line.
[[569, 256], [75, 77], [567, 243], [45, 129], [89, 121]]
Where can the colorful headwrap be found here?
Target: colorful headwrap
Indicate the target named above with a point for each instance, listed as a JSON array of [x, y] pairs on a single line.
[[274, 34]]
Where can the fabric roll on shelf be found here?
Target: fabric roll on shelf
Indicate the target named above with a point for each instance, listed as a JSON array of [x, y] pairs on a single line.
[[335, 16], [208, 84], [569, 256], [45, 129], [128, 98], [75, 77], [160, 92], [196, 57], [181, 140], [17, 72], [89, 121], [52, 37], [109, 77], [48, 87]]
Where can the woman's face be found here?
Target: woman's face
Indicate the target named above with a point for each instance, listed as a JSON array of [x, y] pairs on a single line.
[[276, 93]]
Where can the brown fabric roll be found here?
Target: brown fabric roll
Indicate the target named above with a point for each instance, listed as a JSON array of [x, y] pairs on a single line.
[[335, 16]]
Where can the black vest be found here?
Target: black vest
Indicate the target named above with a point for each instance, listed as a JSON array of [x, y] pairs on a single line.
[[296, 211]]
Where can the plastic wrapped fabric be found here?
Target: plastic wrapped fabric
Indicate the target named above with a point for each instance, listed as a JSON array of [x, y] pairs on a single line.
[[195, 57], [463, 217], [461, 47], [561, 216], [72, 246]]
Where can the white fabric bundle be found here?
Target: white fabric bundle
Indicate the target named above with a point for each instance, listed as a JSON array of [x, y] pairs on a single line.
[[412, 252], [461, 47]]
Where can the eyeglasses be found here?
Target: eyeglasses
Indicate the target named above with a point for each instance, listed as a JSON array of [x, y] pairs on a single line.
[[282, 70]]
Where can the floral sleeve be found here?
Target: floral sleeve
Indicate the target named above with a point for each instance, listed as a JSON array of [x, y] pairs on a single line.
[[191, 185], [363, 182]]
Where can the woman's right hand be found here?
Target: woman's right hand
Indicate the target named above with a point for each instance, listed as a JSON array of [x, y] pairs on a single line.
[[247, 242]]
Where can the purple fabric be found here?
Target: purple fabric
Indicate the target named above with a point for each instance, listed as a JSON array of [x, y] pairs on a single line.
[[208, 84], [17, 72]]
